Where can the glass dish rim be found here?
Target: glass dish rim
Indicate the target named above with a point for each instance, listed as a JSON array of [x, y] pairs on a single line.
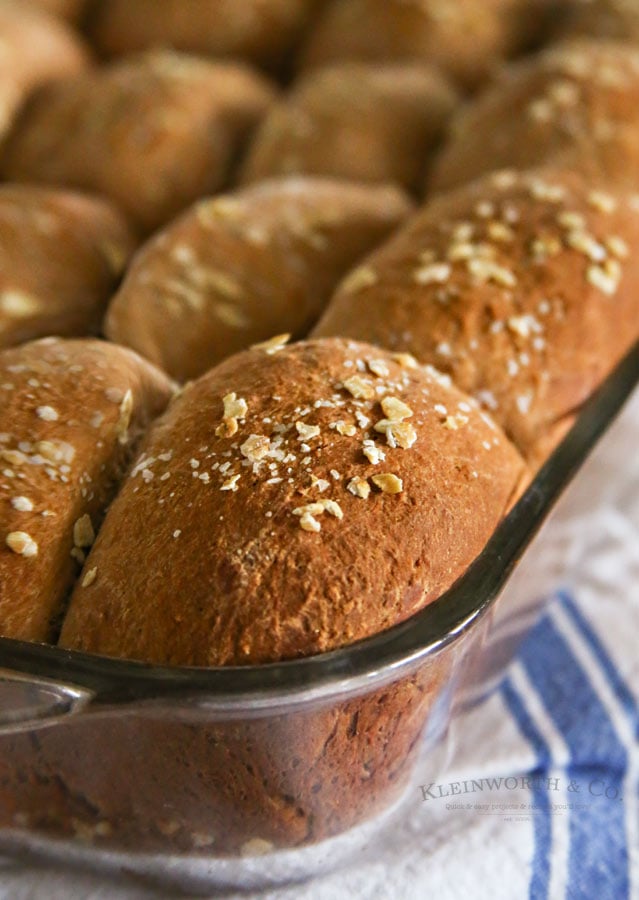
[[425, 633]]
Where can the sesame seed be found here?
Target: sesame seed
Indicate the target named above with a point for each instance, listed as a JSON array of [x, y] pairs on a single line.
[[231, 483], [405, 360], [388, 483], [378, 367], [359, 487], [358, 280], [83, 533], [124, 420], [618, 247], [602, 202], [359, 388], [255, 447], [274, 344], [395, 409], [47, 413], [306, 432], [310, 523], [345, 428], [22, 504], [373, 453], [22, 544], [605, 278], [484, 270], [455, 422], [436, 273], [90, 577]]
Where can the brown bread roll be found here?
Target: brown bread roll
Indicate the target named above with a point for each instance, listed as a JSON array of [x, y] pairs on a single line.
[[296, 499], [524, 287], [575, 104], [65, 9], [367, 122], [261, 31], [152, 133], [467, 38], [70, 414], [618, 19], [61, 255], [238, 269], [36, 48]]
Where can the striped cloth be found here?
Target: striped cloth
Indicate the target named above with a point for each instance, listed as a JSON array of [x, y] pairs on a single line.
[[541, 797]]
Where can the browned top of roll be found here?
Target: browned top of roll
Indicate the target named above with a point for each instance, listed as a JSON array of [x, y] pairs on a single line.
[[70, 414], [366, 122], [525, 287], [61, 255], [291, 501], [262, 31], [467, 38], [153, 133], [240, 268], [575, 104]]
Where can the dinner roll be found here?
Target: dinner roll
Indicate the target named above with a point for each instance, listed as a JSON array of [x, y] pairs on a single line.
[[71, 413], [261, 31], [36, 48], [575, 104], [467, 38], [61, 255], [153, 133], [240, 268], [367, 122], [524, 287], [293, 500]]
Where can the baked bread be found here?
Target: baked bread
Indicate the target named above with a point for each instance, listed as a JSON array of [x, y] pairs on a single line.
[[618, 19], [152, 133], [466, 38], [72, 10], [70, 415], [523, 287], [61, 255], [237, 269], [366, 122], [261, 31], [36, 48], [297, 499], [575, 104]]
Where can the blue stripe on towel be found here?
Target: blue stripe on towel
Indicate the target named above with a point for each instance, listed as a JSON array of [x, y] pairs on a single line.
[[600, 653], [598, 860], [540, 877]]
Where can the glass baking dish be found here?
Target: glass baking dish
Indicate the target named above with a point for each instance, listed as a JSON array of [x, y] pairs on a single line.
[[248, 777]]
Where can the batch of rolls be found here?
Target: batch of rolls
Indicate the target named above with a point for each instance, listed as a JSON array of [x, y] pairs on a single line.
[[295, 298]]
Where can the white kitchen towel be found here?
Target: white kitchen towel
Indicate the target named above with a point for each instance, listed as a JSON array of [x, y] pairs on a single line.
[[542, 798]]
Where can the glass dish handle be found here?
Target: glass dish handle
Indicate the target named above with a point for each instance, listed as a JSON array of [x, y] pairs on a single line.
[[26, 701]]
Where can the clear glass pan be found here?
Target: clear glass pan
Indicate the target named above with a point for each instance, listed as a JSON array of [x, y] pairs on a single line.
[[251, 776]]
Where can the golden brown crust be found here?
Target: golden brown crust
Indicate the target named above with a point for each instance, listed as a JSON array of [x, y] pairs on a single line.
[[36, 48], [61, 255], [366, 122], [261, 31], [293, 501], [70, 413], [575, 105], [524, 287], [466, 38], [237, 269], [152, 133]]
